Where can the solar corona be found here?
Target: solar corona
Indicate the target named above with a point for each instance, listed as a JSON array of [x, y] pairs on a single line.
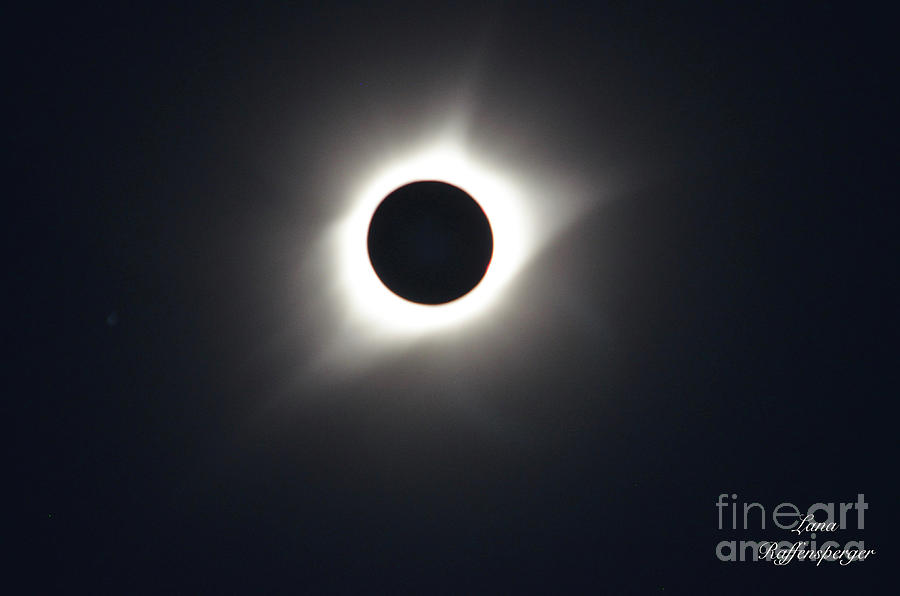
[[430, 242]]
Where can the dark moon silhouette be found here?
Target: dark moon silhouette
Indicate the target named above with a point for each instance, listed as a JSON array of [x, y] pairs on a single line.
[[430, 242]]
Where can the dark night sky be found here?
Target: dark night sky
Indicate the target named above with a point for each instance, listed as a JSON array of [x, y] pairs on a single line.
[[725, 325]]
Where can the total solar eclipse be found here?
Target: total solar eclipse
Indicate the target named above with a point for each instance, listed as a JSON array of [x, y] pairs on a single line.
[[430, 242]]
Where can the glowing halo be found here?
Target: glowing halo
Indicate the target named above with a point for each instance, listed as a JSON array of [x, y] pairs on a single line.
[[366, 297]]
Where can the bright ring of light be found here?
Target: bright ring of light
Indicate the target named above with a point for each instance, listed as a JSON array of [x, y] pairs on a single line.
[[375, 305]]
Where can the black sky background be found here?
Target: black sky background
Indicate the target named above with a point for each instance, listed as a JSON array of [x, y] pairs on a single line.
[[726, 325]]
